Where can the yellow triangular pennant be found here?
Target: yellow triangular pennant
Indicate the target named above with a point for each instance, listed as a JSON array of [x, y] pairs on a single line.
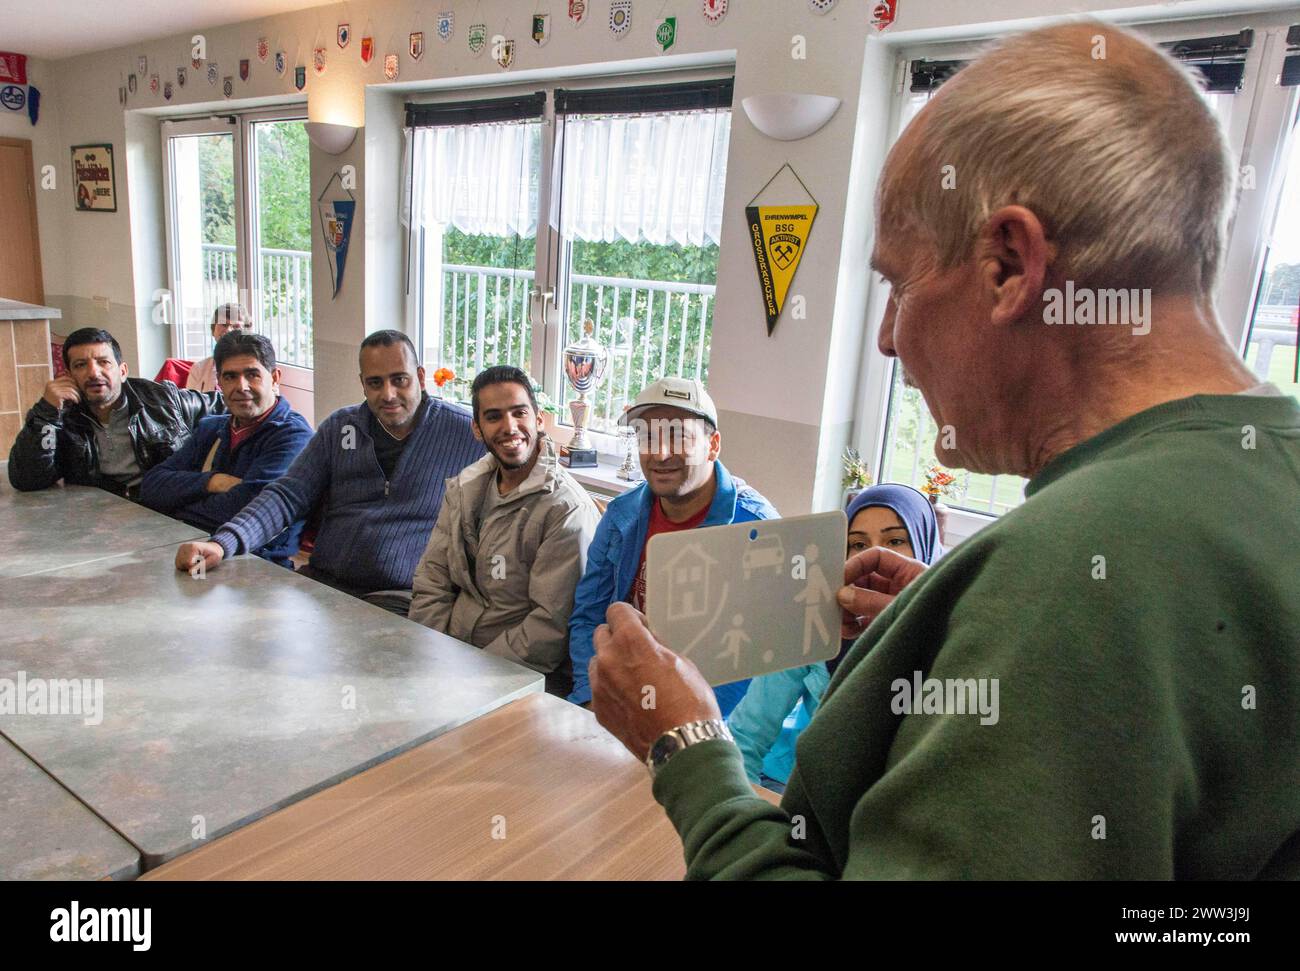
[[779, 235]]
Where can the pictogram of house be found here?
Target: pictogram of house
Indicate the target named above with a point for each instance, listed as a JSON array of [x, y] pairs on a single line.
[[690, 576]]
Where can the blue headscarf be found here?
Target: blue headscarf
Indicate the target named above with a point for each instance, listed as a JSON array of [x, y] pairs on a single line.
[[915, 511]]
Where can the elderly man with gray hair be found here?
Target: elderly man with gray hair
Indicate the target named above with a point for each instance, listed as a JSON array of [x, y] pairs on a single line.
[[1106, 682]]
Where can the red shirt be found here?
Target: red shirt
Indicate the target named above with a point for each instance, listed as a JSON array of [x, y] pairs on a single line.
[[238, 436], [659, 523]]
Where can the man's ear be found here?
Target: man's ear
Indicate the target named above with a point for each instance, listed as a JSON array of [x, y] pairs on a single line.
[[123, 367], [715, 445], [1014, 256], [275, 379], [473, 424], [419, 374]]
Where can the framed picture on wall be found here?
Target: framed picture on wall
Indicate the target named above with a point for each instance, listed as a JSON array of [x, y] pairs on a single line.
[[94, 183]]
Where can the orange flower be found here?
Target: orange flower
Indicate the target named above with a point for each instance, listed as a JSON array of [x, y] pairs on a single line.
[[443, 375]]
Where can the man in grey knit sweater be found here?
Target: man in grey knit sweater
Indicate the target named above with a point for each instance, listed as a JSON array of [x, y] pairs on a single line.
[[373, 476]]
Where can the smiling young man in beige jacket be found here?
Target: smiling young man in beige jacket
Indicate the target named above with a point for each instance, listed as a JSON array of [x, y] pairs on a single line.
[[511, 539]]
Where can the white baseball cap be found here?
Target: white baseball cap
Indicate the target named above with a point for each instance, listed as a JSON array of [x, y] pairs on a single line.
[[686, 394]]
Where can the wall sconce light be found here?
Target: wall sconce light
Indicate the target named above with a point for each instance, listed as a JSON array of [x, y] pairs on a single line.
[[330, 139], [788, 117]]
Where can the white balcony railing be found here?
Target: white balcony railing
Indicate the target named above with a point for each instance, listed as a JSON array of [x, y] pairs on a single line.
[[649, 328], [283, 300]]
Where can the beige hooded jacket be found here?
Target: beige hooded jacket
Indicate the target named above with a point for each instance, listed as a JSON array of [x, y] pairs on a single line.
[[506, 584]]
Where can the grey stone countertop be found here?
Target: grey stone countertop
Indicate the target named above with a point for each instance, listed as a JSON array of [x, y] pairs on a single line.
[[228, 697], [17, 310], [45, 834], [65, 525]]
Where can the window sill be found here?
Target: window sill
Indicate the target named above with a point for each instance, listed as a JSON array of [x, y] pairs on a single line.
[[604, 477]]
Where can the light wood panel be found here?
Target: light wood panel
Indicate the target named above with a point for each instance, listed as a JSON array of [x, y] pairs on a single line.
[[536, 790]]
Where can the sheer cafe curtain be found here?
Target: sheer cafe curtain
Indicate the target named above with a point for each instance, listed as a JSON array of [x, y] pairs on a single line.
[[657, 178]]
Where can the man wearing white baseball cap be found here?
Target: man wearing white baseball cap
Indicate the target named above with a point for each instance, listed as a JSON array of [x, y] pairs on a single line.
[[685, 487]]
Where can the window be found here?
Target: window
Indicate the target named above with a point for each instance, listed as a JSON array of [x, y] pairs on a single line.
[[239, 222], [631, 181], [1274, 326], [905, 447]]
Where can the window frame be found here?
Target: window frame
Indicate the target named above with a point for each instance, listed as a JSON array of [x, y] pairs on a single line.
[[240, 125], [548, 298]]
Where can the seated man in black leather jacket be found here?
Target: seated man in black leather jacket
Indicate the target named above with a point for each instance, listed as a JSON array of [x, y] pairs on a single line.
[[95, 426]]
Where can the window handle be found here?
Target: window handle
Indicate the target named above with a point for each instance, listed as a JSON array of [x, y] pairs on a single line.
[[544, 297]]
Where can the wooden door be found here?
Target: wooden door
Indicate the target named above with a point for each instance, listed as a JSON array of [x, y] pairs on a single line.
[[20, 256]]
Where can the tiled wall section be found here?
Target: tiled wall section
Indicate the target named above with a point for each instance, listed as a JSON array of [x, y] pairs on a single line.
[[24, 370]]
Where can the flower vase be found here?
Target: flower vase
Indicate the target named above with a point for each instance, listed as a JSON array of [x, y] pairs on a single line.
[[941, 517]]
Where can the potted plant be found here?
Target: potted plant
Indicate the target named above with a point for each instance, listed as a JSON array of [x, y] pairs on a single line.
[[940, 482], [856, 476], [550, 411]]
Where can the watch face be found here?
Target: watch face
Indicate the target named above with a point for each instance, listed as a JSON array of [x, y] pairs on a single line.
[[664, 747]]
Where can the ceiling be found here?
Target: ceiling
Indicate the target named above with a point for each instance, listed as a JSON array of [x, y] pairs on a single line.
[[55, 29]]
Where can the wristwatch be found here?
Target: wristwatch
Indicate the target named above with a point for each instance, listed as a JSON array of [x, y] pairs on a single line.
[[692, 733]]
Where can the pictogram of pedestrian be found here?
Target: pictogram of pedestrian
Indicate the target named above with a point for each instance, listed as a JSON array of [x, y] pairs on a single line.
[[734, 639], [815, 593]]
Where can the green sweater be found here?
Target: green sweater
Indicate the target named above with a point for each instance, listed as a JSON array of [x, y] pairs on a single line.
[[1127, 744]]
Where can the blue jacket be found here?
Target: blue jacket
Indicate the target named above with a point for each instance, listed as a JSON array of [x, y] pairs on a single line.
[[178, 487], [772, 714], [615, 555], [372, 530]]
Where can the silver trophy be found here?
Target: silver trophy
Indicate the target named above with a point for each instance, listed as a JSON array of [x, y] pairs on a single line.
[[584, 366]]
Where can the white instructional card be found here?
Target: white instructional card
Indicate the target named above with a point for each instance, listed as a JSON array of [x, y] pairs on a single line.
[[750, 598]]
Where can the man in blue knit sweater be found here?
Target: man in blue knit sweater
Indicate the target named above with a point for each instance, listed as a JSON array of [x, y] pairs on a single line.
[[230, 458], [373, 474]]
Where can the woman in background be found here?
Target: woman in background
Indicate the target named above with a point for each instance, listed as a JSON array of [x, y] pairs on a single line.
[[778, 706], [227, 317]]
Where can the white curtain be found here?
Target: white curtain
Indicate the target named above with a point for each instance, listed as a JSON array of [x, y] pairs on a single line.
[[482, 179], [658, 178]]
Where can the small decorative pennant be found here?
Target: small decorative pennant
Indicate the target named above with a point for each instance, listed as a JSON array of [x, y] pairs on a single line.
[[345, 35], [620, 17], [666, 33], [446, 25], [883, 14], [417, 45], [578, 10], [505, 53], [390, 66], [541, 28], [477, 38], [714, 10]]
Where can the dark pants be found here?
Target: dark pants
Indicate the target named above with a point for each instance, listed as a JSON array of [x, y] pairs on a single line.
[[394, 601]]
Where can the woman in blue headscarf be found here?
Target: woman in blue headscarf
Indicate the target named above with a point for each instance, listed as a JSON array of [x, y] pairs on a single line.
[[777, 706]]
